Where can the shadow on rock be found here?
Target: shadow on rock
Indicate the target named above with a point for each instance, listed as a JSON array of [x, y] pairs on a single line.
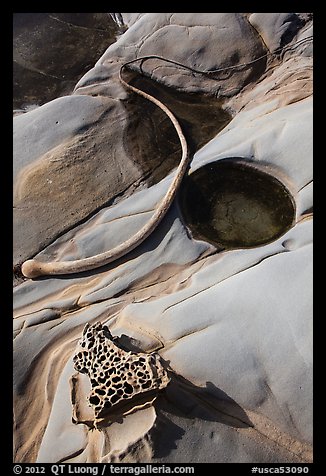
[[180, 399], [183, 399]]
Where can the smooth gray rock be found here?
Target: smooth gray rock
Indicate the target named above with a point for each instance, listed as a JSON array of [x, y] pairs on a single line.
[[205, 41], [236, 324], [43, 128], [276, 29]]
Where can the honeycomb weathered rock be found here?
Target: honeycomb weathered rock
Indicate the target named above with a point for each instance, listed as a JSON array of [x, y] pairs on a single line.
[[117, 376]]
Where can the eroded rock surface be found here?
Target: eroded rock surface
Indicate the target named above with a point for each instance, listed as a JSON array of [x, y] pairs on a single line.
[[117, 376], [236, 324]]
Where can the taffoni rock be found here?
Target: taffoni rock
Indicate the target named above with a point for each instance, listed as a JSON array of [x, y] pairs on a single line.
[[236, 324]]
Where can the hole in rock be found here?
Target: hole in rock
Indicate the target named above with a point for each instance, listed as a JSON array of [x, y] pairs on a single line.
[[232, 204], [100, 391], [114, 399], [128, 388], [94, 400]]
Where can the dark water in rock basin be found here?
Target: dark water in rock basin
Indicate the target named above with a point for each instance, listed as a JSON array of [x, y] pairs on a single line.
[[234, 205], [150, 137], [52, 51]]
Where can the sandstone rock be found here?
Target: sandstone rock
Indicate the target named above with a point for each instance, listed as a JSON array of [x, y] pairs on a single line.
[[276, 29], [120, 379], [66, 175], [237, 325]]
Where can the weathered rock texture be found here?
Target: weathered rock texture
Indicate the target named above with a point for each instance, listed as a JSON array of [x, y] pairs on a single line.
[[43, 47], [117, 376], [234, 326]]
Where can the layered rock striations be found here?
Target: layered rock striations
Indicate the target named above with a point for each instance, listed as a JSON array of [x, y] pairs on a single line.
[[234, 326]]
